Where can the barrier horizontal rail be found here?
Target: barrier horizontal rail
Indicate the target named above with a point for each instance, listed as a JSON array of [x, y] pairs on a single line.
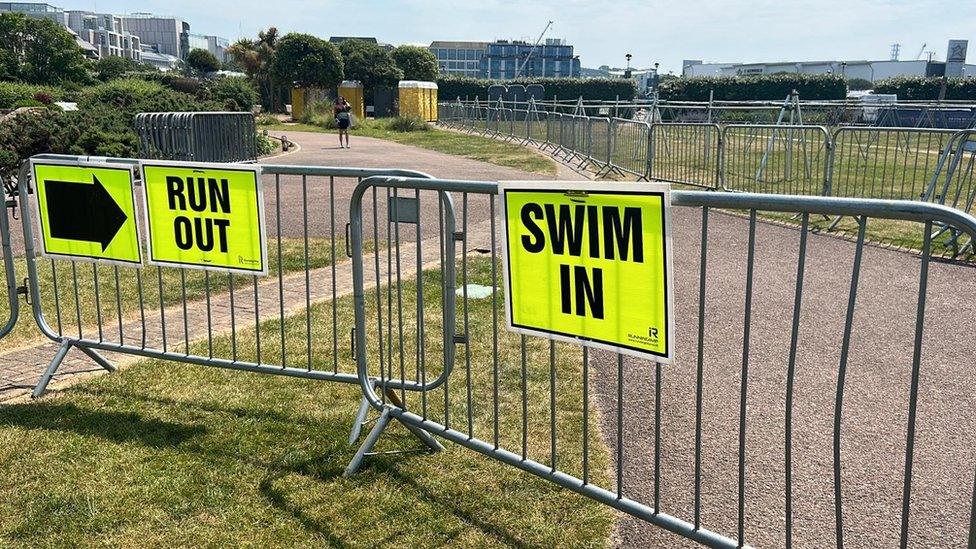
[[197, 136], [488, 411]]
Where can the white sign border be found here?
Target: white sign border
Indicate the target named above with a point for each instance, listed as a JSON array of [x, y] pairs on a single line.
[[85, 164], [596, 187], [262, 214]]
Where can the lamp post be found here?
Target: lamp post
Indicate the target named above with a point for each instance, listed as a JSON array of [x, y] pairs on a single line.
[[843, 69]]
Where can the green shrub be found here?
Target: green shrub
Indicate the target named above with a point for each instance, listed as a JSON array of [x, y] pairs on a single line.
[[319, 113], [27, 103], [917, 88], [12, 92], [407, 124], [266, 145], [859, 84], [266, 120], [754, 88], [590, 89], [237, 89]]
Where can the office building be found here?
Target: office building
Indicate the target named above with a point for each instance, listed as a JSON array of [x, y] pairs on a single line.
[[955, 66], [459, 58], [218, 45], [166, 35], [506, 59], [106, 32]]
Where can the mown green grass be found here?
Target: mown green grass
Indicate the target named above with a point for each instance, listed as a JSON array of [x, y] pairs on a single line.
[[474, 147], [177, 455], [160, 287]]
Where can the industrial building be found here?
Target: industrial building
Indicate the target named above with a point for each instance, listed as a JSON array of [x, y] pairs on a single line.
[[954, 66], [506, 59]]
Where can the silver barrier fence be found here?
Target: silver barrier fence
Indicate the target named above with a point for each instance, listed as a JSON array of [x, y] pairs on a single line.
[[526, 401], [685, 153], [952, 184], [180, 314], [197, 136], [776, 159], [629, 146], [894, 163], [599, 142], [8, 196]]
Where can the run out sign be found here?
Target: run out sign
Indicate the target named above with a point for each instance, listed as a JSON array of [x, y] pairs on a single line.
[[590, 263], [208, 216]]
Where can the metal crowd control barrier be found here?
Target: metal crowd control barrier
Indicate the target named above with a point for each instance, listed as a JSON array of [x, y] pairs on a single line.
[[179, 314], [894, 163], [684, 153], [507, 388], [197, 136], [629, 146], [8, 194], [775, 159]]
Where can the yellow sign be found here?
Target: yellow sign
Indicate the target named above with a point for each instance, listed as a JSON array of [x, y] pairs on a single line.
[[590, 263], [87, 210], [208, 216]]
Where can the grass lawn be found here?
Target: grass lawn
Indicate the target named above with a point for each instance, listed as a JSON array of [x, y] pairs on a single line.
[[177, 455], [475, 147]]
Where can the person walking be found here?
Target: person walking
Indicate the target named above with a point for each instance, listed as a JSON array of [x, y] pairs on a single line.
[[343, 117]]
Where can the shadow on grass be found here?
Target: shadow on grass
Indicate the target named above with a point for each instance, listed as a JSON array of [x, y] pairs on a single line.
[[113, 426], [329, 466]]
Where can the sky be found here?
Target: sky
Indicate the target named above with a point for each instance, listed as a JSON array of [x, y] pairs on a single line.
[[603, 32]]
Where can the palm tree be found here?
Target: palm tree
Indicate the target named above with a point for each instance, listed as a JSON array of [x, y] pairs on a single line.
[[255, 56]]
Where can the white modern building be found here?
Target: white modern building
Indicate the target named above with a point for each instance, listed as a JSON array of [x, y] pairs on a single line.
[[869, 70], [106, 32]]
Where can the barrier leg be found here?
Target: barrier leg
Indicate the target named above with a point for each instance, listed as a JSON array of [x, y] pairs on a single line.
[[357, 427], [99, 359], [367, 446], [51, 369]]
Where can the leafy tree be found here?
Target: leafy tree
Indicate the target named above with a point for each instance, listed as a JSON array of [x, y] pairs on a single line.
[[416, 63], [368, 63], [255, 57], [307, 61], [38, 51], [202, 62]]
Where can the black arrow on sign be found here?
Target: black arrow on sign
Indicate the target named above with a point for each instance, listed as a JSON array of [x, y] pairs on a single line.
[[82, 211]]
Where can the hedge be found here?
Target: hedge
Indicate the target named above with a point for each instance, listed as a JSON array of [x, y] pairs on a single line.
[[590, 89], [12, 93], [754, 88], [917, 88]]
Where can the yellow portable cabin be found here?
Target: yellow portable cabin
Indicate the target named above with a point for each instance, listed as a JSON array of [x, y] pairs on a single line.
[[418, 99], [352, 91]]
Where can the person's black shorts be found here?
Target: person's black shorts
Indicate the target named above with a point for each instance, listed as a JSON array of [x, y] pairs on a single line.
[[344, 124]]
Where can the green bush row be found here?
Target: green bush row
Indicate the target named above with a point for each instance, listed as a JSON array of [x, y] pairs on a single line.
[[102, 126], [590, 89], [754, 88], [917, 88]]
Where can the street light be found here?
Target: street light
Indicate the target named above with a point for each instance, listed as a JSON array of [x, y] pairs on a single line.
[[843, 69], [628, 56]]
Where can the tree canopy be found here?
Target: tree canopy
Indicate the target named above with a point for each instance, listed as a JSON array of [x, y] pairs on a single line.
[[201, 61], [307, 61], [416, 63], [38, 51], [369, 63]]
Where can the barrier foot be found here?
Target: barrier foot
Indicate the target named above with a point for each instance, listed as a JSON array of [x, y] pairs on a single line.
[[51, 369], [99, 359], [357, 427], [424, 436], [367, 446]]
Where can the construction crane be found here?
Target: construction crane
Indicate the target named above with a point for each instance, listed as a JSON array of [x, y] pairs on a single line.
[[518, 71], [921, 51]]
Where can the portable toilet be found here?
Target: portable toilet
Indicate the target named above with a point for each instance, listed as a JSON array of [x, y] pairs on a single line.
[[418, 99], [297, 102], [352, 91]]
